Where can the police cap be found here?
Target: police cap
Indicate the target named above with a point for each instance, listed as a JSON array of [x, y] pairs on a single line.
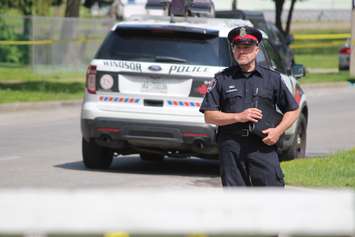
[[245, 35]]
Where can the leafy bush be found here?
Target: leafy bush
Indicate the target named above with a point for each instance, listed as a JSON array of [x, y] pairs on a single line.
[[9, 53]]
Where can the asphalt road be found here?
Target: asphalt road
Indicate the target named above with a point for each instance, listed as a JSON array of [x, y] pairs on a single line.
[[331, 124], [42, 149]]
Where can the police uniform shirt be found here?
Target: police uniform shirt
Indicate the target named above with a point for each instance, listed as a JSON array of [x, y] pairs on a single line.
[[232, 91]]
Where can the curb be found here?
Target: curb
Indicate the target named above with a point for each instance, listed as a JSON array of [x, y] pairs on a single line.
[[25, 106], [322, 70], [324, 85]]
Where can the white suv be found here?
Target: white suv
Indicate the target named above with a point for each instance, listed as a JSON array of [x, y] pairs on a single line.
[[147, 81]]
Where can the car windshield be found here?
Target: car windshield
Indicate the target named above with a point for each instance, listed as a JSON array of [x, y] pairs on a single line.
[[165, 46]]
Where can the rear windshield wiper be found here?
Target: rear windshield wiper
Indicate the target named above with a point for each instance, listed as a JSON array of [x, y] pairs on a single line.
[[129, 56], [146, 57], [169, 59]]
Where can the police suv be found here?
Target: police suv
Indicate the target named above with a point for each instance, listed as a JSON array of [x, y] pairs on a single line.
[[147, 81]]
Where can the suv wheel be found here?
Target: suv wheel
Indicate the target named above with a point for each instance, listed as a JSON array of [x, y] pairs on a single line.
[[151, 157], [96, 157], [298, 148]]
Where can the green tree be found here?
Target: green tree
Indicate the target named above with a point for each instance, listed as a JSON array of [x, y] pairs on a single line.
[[27, 8], [42, 7], [9, 53]]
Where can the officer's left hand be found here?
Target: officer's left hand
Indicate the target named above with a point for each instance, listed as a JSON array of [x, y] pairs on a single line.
[[272, 136]]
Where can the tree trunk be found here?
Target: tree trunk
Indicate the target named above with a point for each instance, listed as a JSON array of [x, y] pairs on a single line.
[[26, 8], [67, 49], [72, 8], [278, 16], [289, 17], [234, 5]]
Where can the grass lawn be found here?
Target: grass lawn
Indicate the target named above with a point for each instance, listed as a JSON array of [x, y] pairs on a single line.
[[10, 72], [342, 76], [317, 60], [21, 84], [337, 170], [40, 91], [322, 53]]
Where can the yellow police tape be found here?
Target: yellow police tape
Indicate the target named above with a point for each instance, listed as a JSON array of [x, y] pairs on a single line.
[[317, 45], [26, 42], [123, 234], [321, 36], [197, 235], [48, 41], [335, 37], [116, 234]]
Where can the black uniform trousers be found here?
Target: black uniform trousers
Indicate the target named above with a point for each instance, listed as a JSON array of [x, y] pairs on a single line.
[[247, 161]]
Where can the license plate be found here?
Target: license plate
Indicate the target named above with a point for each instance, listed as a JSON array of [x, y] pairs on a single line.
[[154, 86]]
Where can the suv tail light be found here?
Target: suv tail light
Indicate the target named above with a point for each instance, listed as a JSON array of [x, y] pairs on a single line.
[[91, 79], [345, 50], [199, 87]]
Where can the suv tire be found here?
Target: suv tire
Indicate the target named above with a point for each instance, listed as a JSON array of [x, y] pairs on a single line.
[[151, 157], [298, 148], [96, 157]]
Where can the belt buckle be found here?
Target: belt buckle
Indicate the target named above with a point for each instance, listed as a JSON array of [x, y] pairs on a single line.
[[245, 132]]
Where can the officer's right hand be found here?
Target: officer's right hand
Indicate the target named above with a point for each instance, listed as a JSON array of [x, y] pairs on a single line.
[[250, 115]]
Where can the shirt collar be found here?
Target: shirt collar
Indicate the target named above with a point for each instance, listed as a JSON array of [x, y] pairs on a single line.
[[258, 70]]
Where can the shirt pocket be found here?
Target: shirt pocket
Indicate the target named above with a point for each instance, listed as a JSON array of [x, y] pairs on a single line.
[[265, 102], [234, 101], [266, 93]]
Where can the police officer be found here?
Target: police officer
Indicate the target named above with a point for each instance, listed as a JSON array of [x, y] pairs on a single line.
[[248, 159]]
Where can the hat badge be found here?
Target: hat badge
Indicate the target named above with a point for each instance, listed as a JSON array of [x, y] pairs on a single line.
[[242, 32]]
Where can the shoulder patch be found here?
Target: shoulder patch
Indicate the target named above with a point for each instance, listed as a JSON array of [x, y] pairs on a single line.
[[227, 71], [212, 84]]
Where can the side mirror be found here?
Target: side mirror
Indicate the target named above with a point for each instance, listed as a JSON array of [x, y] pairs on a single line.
[[298, 71]]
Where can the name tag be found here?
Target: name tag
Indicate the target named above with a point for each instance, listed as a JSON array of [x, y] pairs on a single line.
[[232, 90]]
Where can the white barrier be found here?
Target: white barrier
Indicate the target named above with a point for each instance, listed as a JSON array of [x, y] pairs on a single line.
[[210, 211]]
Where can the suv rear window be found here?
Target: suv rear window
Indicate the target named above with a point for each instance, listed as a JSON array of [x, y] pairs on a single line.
[[165, 46]]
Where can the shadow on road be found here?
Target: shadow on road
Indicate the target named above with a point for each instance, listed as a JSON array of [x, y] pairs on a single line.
[[193, 167]]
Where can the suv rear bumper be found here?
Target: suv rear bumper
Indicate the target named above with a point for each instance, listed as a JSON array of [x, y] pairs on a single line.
[[129, 134]]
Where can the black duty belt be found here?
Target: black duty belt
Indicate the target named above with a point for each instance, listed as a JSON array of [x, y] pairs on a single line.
[[244, 132]]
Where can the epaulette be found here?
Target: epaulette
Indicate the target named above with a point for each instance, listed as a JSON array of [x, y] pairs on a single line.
[[269, 68], [226, 71]]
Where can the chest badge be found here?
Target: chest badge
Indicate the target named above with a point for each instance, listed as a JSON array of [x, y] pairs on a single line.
[[231, 88], [242, 32]]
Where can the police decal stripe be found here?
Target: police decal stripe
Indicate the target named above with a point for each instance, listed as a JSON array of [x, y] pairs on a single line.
[[178, 103], [131, 100], [119, 99]]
